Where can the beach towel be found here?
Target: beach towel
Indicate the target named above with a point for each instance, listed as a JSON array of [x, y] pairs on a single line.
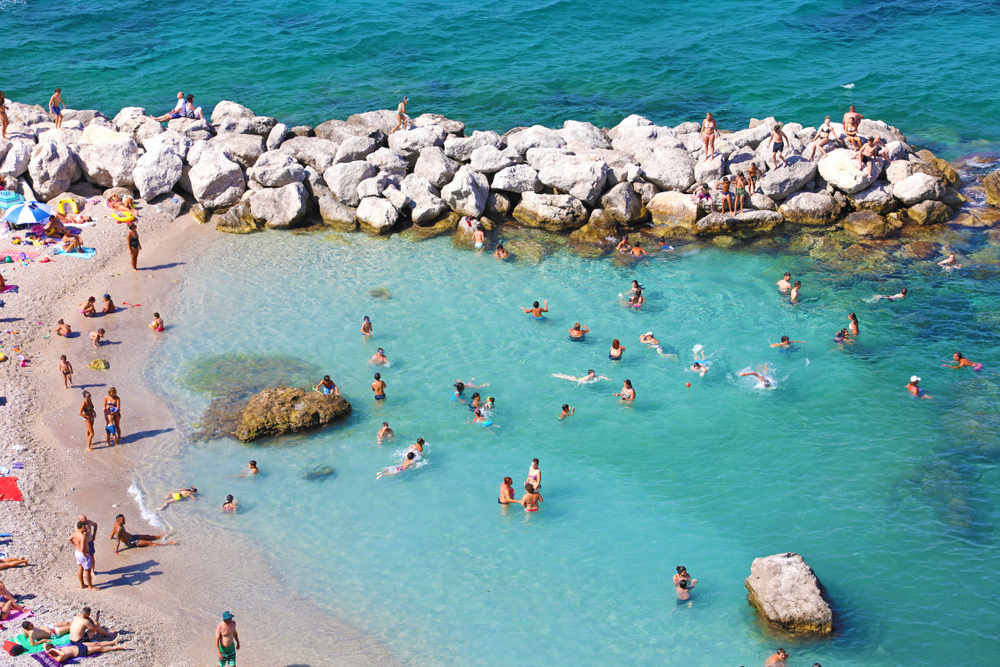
[[9, 490], [9, 288], [44, 658], [88, 253], [17, 616], [17, 255], [28, 648]]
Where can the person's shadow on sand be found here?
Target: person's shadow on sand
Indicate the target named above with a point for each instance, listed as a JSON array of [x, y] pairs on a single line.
[[140, 435], [130, 575], [161, 266]]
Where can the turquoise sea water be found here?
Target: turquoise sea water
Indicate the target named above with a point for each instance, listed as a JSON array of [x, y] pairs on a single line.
[[922, 65], [894, 502]]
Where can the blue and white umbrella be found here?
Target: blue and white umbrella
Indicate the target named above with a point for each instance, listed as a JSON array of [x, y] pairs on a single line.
[[8, 198], [27, 213]]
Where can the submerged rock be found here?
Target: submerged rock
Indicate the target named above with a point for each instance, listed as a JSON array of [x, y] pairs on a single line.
[[319, 473], [282, 410], [787, 594]]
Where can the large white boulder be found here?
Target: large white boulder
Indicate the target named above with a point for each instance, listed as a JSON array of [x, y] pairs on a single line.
[[425, 202], [244, 149], [489, 159], [356, 148], [280, 208], [377, 215], [669, 169], [409, 143], [216, 181], [917, 188], [277, 135], [810, 208], [877, 198], [580, 177], [175, 141], [226, 109], [518, 178], [18, 157], [466, 194], [787, 593], [110, 164], [461, 148], [389, 161], [435, 166], [52, 167], [376, 185], [784, 181], [554, 213], [583, 136], [344, 179], [319, 154], [536, 136], [840, 170], [276, 169], [673, 209], [622, 203], [157, 172]]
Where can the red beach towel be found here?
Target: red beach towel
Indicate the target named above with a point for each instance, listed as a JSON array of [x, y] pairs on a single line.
[[9, 490]]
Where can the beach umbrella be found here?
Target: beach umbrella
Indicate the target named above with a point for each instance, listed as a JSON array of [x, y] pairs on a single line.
[[8, 198], [27, 213]]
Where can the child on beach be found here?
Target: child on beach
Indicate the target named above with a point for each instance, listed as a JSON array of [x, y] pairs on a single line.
[[66, 369], [157, 323], [87, 308], [725, 194], [702, 199], [107, 305], [96, 336], [741, 189], [366, 326], [54, 108], [62, 329], [753, 176]]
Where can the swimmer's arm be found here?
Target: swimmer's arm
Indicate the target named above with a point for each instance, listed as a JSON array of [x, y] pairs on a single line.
[[950, 366], [524, 309], [546, 308]]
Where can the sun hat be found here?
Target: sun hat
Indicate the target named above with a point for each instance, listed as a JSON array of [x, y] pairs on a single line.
[[648, 333], [226, 616], [914, 378]]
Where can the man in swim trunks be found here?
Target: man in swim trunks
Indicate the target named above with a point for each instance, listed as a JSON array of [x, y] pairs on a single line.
[[637, 250], [66, 369], [36, 636], [82, 650], [567, 410], [227, 640], [54, 108], [779, 657], [699, 368], [252, 470], [786, 343], [777, 141], [378, 386], [852, 120], [785, 283], [91, 536], [578, 333], [83, 627], [385, 431], [176, 112], [180, 494], [84, 564], [868, 154], [401, 117], [536, 311], [119, 533]]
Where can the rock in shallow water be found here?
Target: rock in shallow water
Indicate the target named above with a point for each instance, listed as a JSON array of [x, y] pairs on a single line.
[[282, 410], [787, 594]]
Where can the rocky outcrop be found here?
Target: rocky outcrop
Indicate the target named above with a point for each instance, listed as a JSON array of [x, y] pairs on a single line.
[[601, 229], [244, 149], [280, 208], [237, 220], [338, 216], [917, 188], [622, 204], [283, 410], [376, 215], [554, 213], [276, 169], [840, 170], [466, 194], [929, 213], [157, 172], [789, 179], [216, 181], [673, 209], [52, 167], [869, 225], [110, 164], [877, 199], [992, 186], [787, 594], [810, 208], [518, 178], [344, 179], [578, 176]]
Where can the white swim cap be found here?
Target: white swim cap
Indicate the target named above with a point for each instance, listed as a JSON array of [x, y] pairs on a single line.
[[914, 378], [648, 333]]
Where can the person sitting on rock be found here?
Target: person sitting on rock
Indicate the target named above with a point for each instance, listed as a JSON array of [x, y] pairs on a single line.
[[822, 139], [176, 112], [190, 111], [868, 154]]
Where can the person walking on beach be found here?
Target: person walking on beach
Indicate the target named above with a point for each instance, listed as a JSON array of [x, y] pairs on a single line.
[[66, 369], [89, 414], [378, 386], [122, 536], [777, 141], [227, 640], [709, 131], [852, 120], [55, 109], [84, 563], [133, 245], [536, 311], [176, 112], [401, 117]]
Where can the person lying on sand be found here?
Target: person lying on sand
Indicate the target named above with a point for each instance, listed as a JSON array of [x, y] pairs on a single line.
[[124, 537], [7, 563], [82, 650], [36, 636], [180, 494], [6, 593], [62, 329], [83, 627]]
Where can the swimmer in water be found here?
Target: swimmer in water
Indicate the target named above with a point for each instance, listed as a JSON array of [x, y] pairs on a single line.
[[894, 297], [949, 263], [529, 501], [536, 311], [500, 252], [534, 475], [567, 410], [230, 504], [379, 358], [408, 462], [327, 387], [853, 327], [623, 245], [615, 353], [181, 494], [785, 283], [476, 401], [384, 432], [796, 286], [627, 393], [637, 250], [366, 326], [843, 336], [635, 289], [637, 300], [786, 344], [760, 374], [699, 352], [591, 376], [490, 404], [507, 492], [378, 386], [480, 419], [649, 339], [914, 388], [699, 368], [479, 238], [251, 471], [577, 333], [963, 363], [418, 447]]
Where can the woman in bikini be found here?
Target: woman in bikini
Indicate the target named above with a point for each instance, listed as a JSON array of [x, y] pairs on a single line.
[[709, 131], [507, 492], [534, 475], [853, 327], [89, 414], [122, 536], [133, 245], [615, 353], [529, 501], [627, 393], [113, 411], [3, 116], [822, 139]]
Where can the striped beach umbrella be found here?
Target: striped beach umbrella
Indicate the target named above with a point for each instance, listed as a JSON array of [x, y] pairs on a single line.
[[8, 199], [27, 213]]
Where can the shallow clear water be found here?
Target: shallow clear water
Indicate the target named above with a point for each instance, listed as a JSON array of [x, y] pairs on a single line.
[[922, 65], [892, 501]]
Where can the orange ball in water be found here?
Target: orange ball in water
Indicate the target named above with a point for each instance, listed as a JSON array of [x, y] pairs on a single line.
[[688, 384]]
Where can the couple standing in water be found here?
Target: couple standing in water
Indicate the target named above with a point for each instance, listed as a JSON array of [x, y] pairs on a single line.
[[529, 501]]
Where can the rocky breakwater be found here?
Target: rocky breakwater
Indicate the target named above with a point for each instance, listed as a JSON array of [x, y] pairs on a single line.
[[282, 410], [246, 172], [787, 594]]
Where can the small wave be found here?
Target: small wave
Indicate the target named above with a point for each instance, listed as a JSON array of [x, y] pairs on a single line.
[[849, 86], [151, 517]]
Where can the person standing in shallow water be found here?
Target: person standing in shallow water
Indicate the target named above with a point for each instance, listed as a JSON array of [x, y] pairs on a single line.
[[683, 583], [402, 120], [89, 414], [914, 388], [366, 327], [133, 245], [378, 386], [785, 283], [536, 311]]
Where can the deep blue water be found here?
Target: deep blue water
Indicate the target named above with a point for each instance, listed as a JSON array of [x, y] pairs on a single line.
[[922, 65]]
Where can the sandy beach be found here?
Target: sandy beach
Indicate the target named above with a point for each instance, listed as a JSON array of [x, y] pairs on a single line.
[[165, 602]]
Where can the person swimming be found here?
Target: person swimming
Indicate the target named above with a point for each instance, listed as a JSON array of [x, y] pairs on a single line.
[[699, 352], [567, 411], [636, 288], [894, 297], [384, 432], [490, 405], [578, 332], [637, 300], [379, 358], [624, 246], [649, 339], [501, 251], [853, 327], [914, 388], [949, 263], [786, 344], [230, 504], [480, 419], [366, 326], [591, 376], [476, 402], [536, 310], [963, 363], [766, 381], [699, 368], [417, 447], [615, 353], [408, 462]]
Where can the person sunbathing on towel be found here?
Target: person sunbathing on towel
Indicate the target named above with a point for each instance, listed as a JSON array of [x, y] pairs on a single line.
[[7, 563], [55, 227], [81, 650], [6, 608], [72, 243]]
